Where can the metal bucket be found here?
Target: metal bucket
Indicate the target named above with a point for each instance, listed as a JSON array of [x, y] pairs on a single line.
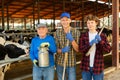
[[43, 60]]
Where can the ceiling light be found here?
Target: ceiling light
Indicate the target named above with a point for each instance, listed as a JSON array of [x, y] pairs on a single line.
[[101, 2], [92, 0]]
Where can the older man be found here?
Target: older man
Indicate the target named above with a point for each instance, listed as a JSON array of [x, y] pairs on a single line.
[[47, 72]]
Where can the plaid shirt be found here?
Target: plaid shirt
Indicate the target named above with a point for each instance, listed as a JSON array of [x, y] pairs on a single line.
[[101, 47], [61, 43]]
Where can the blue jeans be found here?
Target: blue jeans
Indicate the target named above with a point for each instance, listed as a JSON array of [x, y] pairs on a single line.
[[69, 75], [47, 73], [88, 75]]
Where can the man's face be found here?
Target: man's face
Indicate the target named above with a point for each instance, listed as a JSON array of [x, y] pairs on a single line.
[[91, 24], [42, 31], [65, 22]]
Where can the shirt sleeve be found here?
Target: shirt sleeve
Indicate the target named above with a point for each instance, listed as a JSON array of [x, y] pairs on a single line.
[[52, 47], [105, 44]]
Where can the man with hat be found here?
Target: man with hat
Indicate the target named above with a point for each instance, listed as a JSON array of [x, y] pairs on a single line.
[[47, 72], [63, 35]]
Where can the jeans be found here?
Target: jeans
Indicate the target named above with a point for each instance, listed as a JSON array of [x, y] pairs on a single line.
[[88, 75], [43, 73], [69, 75]]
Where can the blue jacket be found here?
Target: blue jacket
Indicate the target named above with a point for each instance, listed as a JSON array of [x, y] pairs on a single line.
[[34, 48]]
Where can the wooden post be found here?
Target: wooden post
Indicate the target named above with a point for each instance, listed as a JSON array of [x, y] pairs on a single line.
[[96, 7], [64, 5], [13, 24], [38, 6], [53, 15], [24, 23], [33, 15], [7, 17], [115, 33], [2, 11], [83, 15]]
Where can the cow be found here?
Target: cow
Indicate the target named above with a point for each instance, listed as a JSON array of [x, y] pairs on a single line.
[[10, 50], [108, 33]]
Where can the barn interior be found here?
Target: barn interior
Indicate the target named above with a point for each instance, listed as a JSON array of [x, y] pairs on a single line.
[[18, 19]]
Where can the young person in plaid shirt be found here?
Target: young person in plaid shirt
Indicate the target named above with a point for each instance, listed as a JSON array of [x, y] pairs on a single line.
[[66, 33], [92, 66]]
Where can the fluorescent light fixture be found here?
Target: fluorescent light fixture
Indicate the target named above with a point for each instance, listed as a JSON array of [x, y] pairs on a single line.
[[119, 14], [108, 3], [101, 2], [92, 0]]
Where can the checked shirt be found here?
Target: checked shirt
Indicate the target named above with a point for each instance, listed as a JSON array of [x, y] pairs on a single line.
[[101, 47], [61, 43]]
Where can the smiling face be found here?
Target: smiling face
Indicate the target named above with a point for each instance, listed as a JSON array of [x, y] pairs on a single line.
[[42, 31], [91, 24], [65, 22]]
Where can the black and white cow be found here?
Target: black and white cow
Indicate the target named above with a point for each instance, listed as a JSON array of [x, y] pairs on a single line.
[[15, 50], [10, 50], [108, 33]]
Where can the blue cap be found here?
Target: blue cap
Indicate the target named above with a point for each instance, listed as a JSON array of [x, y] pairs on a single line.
[[40, 25], [65, 14]]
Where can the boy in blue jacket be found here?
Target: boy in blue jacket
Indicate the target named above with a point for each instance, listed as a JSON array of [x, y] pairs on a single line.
[[46, 72]]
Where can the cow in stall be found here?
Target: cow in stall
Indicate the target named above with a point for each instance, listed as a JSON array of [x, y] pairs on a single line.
[[108, 33], [10, 50]]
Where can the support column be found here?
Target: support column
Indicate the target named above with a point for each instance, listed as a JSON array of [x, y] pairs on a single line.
[[3, 25], [24, 24], [82, 14], [33, 15], [96, 7], [7, 17], [115, 33], [13, 27], [63, 5], [53, 15], [38, 6]]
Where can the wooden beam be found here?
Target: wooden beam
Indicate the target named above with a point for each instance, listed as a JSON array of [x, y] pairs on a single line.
[[30, 4], [89, 11], [51, 12], [115, 33], [40, 10]]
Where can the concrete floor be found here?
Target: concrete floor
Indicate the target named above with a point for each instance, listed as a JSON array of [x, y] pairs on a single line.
[[115, 75], [23, 71]]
